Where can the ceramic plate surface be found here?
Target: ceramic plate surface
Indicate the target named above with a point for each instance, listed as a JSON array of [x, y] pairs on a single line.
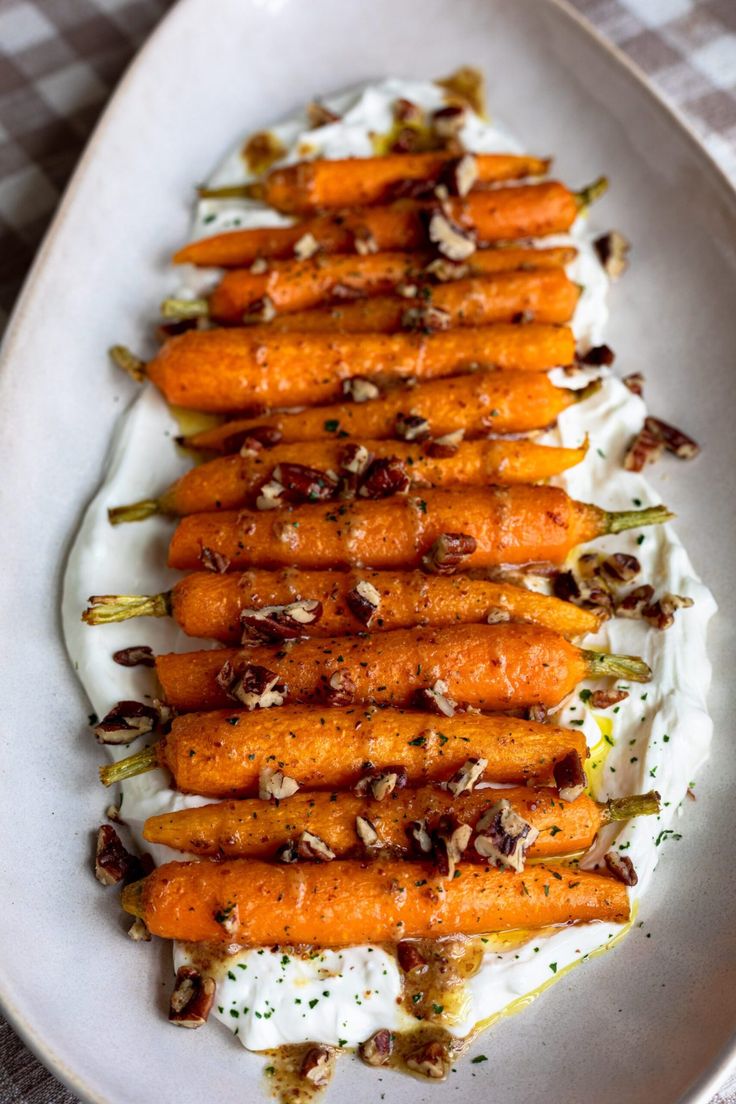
[[654, 1021]]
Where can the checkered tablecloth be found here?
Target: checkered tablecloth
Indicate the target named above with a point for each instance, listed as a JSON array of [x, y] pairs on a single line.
[[60, 60]]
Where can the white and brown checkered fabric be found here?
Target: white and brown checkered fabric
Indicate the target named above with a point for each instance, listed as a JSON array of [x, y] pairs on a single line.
[[59, 61]]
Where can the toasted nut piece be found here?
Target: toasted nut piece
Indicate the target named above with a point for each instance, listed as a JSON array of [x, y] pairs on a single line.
[[407, 140], [270, 495], [496, 616], [274, 785], [274, 623], [380, 782], [604, 699], [450, 840], [112, 861], [376, 1051], [464, 779], [461, 175], [570, 777], [287, 853], [340, 689], [435, 699], [418, 833], [410, 958], [126, 721], [450, 240], [260, 437], [312, 847], [407, 112], [228, 917], [410, 427], [355, 459], [425, 319], [446, 445], [613, 249], [599, 356], [443, 269], [447, 122], [622, 567], [431, 1060], [318, 1065], [213, 561], [675, 441], [260, 311], [385, 477], [503, 836], [621, 867], [138, 656], [448, 552], [191, 999], [319, 115], [364, 601], [255, 687], [359, 389], [259, 266], [306, 247], [634, 603], [407, 291], [138, 932], [536, 713], [661, 614], [304, 484], [635, 383], [366, 832], [364, 241]]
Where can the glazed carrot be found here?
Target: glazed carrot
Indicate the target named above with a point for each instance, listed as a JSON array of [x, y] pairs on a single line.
[[296, 285], [501, 402], [232, 481], [210, 605], [310, 186], [257, 829], [491, 667], [225, 370], [503, 214], [346, 902], [221, 754], [510, 525], [548, 296]]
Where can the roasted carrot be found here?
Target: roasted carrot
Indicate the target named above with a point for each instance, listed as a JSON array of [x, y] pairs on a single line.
[[211, 605], [232, 481], [257, 829], [345, 902], [221, 754], [509, 525], [503, 214], [310, 186], [296, 285], [226, 370], [491, 667]]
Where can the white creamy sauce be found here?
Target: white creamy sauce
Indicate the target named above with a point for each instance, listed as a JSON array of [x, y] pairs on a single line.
[[656, 738]]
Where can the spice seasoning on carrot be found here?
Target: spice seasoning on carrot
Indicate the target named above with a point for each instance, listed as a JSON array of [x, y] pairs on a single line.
[[510, 525], [490, 667], [221, 754]]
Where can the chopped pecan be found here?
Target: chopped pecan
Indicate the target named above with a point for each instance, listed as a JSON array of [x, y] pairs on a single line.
[[306, 246], [228, 917], [113, 862], [675, 441], [446, 445], [448, 553], [380, 782], [270, 495], [340, 689], [588, 591], [407, 140], [363, 601], [465, 778], [431, 1060], [318, 1065], [259, 311], [407, 291], [524, 317], [254, 686], [272, 623], [385, 477], [434, 698], [425, 318], [450, 840], [304, 484], [496, 616], [138, 931], [621, 867], [613, 249], [447, 122], [260, 437], [287, 853], [126, 721], [310, 846], [565, 586], [355, 460], [503, 836], [137, 656], [444, 270], [461, 175], [359, 389], [599, 356], [366, 831], [450, 239], [410, 957], [569, 776], [191, 999], [318, 115], [418, 833], [604, 699], [411, 427], [407, 112], [213, 561], [634, 603], [376, 1051], [661, 614], [621, 567], [274, 785], [536, 713], [635, 383], [259, 266], [364, 241]]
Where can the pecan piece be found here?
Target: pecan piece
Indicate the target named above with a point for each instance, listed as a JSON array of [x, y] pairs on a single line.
[[446, 445], [418, 833], [604, 699], [254, 686], [599, 356], [359, 389], [228, 917], [260, 437], [675, 441], [287, 853], [450, 840], [410, 958], [661, 614], [443, 269], [270, 495], [366, 832], [113, 862], [355, 459], [384, 477], [536, 713], [435, 699], [306, 246], [461, 175], [213, 561], [411, 427], [310, 846], [191, 998], [425, 318], [621, 867], [304, 484], [364, 241], [273, 623], [407, 140], [363, 601], [407, 112], [635, 383], [126, 721], [318, 115], [503, 836], [636, 600], [448, 553], [318, 1065], [569, 776], [621, 567], [464, 779], [137, 656], [380, 782], [431, 1060], [340, 689], [451, 241], [376, 1050], [447, 122], [259, 266], [613, 249], [274, 785], [138, 931], [259, 311]]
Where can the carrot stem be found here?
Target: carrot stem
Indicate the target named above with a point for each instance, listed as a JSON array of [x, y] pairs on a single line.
[[588, 195], [633, 805], [232, 191], [123, 358], [139, 763], [104, 609], [608, 665], [136, 511], [185, 308], [616, 521]]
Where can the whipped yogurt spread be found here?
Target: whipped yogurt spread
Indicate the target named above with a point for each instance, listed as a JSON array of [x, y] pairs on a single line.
[[656, 738]]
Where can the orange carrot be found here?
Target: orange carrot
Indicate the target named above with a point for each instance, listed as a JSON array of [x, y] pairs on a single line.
[[257, 829], [521, 211], [310, 186], [225, 370], [508, 525], [346, 902], [232, 481], [547, 296], [222, 754], [296, 285], [491, 667], [210, 605], [501, 402]]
